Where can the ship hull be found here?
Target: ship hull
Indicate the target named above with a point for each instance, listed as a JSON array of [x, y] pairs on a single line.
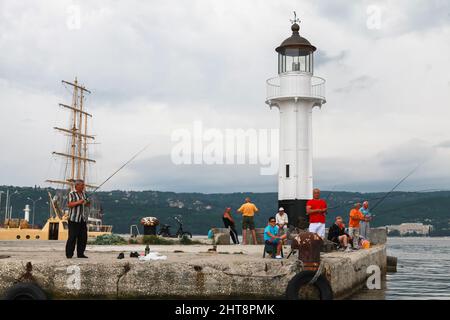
[[54, 229]]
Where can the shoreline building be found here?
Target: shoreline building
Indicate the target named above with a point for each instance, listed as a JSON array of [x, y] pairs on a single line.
[[295, 91], [410, 229]]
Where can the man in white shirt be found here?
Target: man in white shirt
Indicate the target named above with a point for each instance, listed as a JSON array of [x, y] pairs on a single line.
[[281, 219]]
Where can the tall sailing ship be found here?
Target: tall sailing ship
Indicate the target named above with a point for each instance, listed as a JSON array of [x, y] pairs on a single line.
[[76, 164]]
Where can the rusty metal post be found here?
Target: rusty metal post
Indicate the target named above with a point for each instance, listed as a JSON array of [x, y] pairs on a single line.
[[308, 245]]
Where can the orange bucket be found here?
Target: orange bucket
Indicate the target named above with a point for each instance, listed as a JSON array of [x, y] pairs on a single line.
[[365, 244]]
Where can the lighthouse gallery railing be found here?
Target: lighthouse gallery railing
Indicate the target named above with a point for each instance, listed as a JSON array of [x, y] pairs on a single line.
[[315, 90]]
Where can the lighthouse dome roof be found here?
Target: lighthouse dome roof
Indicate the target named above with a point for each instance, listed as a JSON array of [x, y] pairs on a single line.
[[295, 42]]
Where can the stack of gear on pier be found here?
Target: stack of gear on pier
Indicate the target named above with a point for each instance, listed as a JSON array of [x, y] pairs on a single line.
[[150, 221], [149, 224]]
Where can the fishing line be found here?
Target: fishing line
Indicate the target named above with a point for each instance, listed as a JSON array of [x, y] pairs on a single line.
[[400, 193], [388, 193], [395, 187], [121, 167]]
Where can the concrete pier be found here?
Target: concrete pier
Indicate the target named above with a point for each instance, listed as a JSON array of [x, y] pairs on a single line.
[[190, 271]]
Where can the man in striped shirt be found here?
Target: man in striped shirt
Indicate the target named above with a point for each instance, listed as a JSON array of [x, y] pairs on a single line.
[[77, 221]]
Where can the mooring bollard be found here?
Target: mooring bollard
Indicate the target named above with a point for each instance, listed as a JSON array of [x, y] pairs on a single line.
[[308, 245]]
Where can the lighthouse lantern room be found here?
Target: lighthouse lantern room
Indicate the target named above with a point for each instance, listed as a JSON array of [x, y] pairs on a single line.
[[295, 92]]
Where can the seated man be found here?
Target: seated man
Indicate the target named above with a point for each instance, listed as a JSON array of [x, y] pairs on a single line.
[[282, 219], [272, 238], [337, 234]]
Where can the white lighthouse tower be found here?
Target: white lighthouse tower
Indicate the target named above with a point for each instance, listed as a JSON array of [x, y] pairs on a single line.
[[295, 92]]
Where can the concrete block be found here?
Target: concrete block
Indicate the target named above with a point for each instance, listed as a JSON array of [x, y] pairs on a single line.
[[220, 230], [259, 236], [378, 235], [222, 238], [189, 272], [328, 246]]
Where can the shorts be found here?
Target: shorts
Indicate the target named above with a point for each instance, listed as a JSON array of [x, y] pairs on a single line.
[[335, 240], [317, 227], [283, 231], [272, 243], [248, 223]]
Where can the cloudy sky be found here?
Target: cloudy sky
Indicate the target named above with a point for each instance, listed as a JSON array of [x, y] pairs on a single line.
[[158, 67]]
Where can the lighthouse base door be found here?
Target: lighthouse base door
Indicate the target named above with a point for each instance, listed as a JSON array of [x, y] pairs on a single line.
[[296, 211], [53, 231]]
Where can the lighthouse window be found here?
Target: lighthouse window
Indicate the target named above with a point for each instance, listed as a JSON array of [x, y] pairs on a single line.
[[287, 171], [295, 60]]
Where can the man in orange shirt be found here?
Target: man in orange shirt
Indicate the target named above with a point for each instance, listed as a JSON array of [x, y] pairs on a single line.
[[248, 211], [353, 225]]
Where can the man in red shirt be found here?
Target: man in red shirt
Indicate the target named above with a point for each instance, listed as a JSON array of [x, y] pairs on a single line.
[[316, 209]]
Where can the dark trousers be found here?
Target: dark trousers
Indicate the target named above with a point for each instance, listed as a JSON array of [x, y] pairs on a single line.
[[77, 236], [233, 233]]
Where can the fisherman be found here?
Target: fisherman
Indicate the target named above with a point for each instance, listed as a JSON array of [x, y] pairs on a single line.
[[353, 226], [272, 237], [248, 210], [77, 221], [282, 219], [337, 234], [364, 226], [316, 209], [228, 221]]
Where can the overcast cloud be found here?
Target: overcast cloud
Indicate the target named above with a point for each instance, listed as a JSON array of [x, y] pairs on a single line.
[[158, 66]]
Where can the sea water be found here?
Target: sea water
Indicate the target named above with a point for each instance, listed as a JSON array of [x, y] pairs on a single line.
[[423, 270]]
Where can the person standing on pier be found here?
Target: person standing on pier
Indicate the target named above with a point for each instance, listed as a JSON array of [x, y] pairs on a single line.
[[77, 221], [364, 226], [248, 210], [228, 221], [316, 209], [354, 223]]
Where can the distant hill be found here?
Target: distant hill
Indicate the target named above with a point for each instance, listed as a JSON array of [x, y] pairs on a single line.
[[202, 211]]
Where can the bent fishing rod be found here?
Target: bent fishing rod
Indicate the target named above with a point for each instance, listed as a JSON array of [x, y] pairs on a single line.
[[392, 190], [120, 168], [399, 183]]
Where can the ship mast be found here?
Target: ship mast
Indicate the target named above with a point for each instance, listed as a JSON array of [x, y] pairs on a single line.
[[77, 154]]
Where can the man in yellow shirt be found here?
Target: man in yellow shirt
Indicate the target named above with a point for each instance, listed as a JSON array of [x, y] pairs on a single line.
[[248, 211]]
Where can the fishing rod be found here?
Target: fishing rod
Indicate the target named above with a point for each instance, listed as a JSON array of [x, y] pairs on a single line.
[[388, 193], [413, 204], [329, 195], [331, 192], [412, 191], [399, 183], [348, 202], [120, 168]]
